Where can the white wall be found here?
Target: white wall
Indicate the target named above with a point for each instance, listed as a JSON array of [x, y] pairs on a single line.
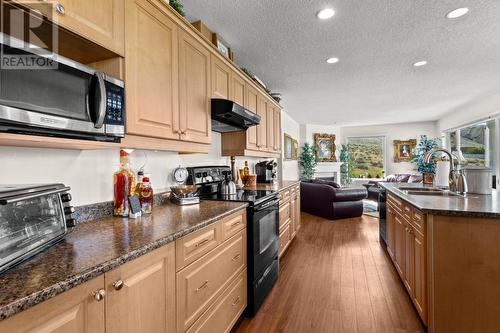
[[394, 132], [473, 111], [90, 173], [290, 168]]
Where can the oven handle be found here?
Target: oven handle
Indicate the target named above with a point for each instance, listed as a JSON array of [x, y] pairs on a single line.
[[32, 195], [266, 205], [101, 113]]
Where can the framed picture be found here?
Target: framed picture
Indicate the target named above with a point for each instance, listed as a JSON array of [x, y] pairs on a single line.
[[403, 150], [325, 147], [222, 46], [295, 149], [288, 146]]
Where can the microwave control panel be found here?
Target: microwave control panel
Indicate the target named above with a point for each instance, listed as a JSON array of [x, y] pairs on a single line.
[[115, 105]]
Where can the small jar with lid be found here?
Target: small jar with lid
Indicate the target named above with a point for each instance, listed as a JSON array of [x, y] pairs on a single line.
[[146, 196]]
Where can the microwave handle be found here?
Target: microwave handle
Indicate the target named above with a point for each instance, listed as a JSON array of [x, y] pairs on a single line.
[[101, 112]]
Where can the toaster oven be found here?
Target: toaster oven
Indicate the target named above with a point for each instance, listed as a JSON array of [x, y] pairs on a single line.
[[32, 218]]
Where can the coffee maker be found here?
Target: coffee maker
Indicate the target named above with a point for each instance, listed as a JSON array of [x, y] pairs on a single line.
[[266, 171]]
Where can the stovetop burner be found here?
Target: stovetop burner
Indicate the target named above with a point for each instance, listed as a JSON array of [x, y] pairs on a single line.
[[253, 197]]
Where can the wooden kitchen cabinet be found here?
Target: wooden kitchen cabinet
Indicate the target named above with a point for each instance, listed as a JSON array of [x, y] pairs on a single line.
[[409, 259], [390, 227], [75, 311], [194, 90], [420, 275], [101, 22], [252, 99], [271, 145], [237, 89], [151, 71], [141, 294], [262, 108], [277, 130], [399, 243], [221, 79]]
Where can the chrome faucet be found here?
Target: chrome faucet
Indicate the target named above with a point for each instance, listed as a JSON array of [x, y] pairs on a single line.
[[457, 180]]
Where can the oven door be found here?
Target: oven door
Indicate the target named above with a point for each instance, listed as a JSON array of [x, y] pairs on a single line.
[[265, 229], [65, 96]]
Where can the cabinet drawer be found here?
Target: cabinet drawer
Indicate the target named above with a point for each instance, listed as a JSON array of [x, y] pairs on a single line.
[[226, 310], [285, 196], [200, 283], [407, 212], [284, 239], [232, 224], [197, 244], [284, 214], [396, 203], [418, 221]]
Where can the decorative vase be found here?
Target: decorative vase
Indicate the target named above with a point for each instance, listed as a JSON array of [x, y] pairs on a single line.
[[428, 178]]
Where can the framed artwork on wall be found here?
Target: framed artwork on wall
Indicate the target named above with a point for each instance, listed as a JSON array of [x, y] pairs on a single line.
[[295, 149], [287, 145], [325, 147], [403, 150]]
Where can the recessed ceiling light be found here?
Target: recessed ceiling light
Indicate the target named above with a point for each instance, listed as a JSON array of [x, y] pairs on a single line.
[[456, 13], [332, 60], [326, 13], [420, 63]]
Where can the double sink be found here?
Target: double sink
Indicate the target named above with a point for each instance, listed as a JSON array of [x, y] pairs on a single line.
[[429, 191]]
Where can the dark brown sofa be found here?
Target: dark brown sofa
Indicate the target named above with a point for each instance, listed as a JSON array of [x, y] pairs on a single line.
[[328, 200]]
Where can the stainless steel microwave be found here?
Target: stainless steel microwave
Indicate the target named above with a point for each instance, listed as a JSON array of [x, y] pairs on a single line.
[[66, 99]]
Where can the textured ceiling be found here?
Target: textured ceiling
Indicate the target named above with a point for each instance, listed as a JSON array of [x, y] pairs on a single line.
[[377, 41]]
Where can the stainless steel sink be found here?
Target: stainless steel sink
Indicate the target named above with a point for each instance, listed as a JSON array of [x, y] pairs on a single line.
[[440, 193], [421, 189]]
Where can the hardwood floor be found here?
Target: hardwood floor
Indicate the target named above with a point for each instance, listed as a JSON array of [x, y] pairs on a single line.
[[336, 277]]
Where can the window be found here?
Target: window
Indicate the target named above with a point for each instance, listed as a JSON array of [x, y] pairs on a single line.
[[476, 144], [369, 156]]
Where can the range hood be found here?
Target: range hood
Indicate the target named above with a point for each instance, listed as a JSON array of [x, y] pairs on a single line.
[[228, 116]]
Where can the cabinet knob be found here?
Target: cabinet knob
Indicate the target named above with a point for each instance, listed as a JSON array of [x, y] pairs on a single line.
[[203, 286], [118, 284], [60, 9], [176, 131], [183, 132], [99, 295]]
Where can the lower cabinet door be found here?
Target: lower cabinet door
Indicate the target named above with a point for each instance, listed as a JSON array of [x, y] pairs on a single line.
[[390, 231], [399, 244], [141, 294], [224, 313], [409, 265], [420, 289], [74, 311], [284, 237]]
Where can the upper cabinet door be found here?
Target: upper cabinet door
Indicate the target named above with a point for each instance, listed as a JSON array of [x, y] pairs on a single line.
[[238, 89], [277, 129], [251, 102], [271, 145], [262, 106], [97, 20], [152, 95], [221, 79], [140, 295], [194, 90]]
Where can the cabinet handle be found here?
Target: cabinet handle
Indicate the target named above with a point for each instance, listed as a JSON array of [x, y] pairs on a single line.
[[177, 132], [235, 224], [236, 301], [118, 284], [202, 242], [60, 9], [184, 132], [203, 286], [99, 295], [236, 257]]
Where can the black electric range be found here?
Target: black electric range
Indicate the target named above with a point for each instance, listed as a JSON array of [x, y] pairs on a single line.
[[262, 230]]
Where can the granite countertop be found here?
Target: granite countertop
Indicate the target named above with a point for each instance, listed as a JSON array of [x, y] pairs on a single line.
[[98, 246], [473, 205], [276, 186]]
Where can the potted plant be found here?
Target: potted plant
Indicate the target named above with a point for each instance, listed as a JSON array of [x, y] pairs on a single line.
[[307, 161], [347, 167], [426, 169]]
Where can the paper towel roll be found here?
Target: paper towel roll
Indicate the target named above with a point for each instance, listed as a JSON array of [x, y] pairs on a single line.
[[442, 176]]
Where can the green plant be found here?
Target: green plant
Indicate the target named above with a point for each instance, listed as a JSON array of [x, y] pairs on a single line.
[[347, 167], [307, 161], [177, 5], [424, 145]]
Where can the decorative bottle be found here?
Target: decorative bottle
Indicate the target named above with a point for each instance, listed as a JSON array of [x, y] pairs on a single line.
[[146, 196], [124, 183], [246, 170]]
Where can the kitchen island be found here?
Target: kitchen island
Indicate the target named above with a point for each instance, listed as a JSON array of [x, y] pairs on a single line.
[[446, 249]]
